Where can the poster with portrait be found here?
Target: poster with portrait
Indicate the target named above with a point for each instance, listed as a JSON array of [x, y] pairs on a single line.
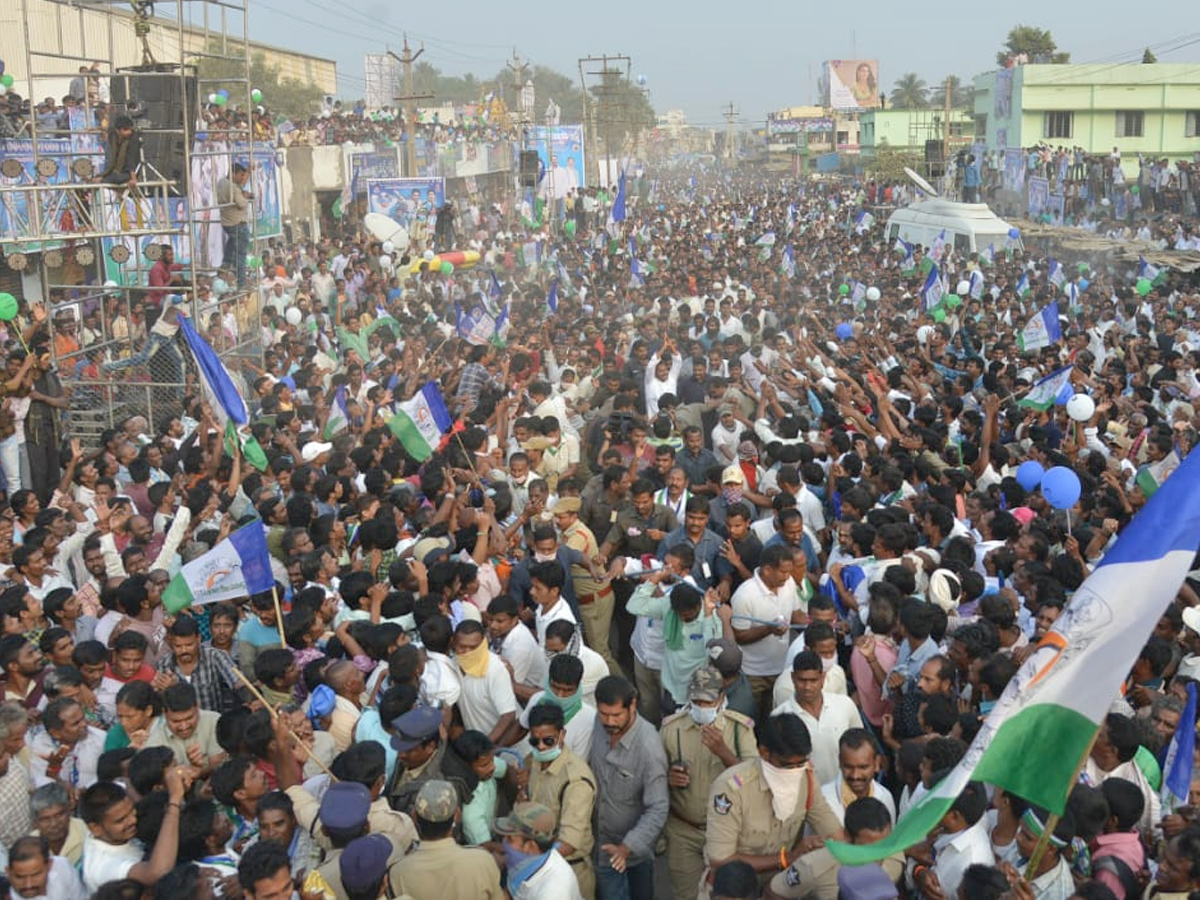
[[363, 167], [1039, 196], [1014, 169], [28, 213], [212, 161], [407, 200], [560, 154], [1003, 99], [853, 83]]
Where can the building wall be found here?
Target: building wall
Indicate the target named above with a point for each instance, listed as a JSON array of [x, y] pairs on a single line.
[[1090, 97], [108, 38], [909, 129]]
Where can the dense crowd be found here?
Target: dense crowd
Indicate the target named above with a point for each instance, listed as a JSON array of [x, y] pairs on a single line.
[[719, 560]]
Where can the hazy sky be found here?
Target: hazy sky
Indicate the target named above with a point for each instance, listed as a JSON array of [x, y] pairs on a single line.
[[701, 55]]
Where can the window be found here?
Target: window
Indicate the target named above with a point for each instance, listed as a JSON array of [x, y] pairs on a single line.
[[981, 123], [843, 137], [1192, 128], [1131, 123], [1059, 125]]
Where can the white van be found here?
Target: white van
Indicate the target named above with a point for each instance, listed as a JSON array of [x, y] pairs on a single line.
[[971, 227]]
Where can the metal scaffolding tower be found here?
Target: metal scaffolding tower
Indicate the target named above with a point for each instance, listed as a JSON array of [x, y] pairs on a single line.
[[86, 248]]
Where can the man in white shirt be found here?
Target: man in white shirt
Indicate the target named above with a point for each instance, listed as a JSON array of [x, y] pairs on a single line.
[[542, 874], [68, 750], [546, 580], [763, 609], [963, 841], [827, 716], [111, 851], [33, 873], [441, 685], [517, 646], [858, 764], [487, 702]]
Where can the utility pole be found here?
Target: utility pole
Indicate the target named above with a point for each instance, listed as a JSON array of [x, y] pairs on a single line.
[[410, 111], [608, 91], [946, 134], [730, 113]]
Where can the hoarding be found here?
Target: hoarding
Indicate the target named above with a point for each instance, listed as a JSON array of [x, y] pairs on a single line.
[[853, 83]]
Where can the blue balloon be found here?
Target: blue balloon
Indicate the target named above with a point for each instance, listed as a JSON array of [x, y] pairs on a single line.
[[223, 92], [1061, 487], [1014, 233], [844, 331], [1029, 474]]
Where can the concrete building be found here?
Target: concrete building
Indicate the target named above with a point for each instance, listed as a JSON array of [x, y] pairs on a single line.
[[107, 37], [1149, 109], [909, 129]]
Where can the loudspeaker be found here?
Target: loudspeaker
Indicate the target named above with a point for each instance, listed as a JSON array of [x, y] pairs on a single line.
[[160, 101], [530, 164], [935, 165]]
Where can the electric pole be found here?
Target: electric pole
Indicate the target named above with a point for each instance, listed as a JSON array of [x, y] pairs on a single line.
[[410, 111], [730, 113], [946, 135], [608, 92]]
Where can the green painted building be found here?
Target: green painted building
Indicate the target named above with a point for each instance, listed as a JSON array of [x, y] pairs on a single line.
[[1149, 109], [910, 129]]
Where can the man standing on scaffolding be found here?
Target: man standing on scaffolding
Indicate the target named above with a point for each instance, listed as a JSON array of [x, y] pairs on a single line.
[[234, 202]]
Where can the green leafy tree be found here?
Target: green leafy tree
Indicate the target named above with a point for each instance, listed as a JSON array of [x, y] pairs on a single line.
[[962, 96], [910, 92], [1148, 57], [1036, 44], [888, 162], [288, 96]]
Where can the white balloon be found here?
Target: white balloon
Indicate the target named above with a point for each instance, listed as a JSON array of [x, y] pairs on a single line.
[[385, 261], [964, 288], [1081, 408], [873, 294], [388, 247], [293, 316], [924, 333], [3, 90], [427, 255]]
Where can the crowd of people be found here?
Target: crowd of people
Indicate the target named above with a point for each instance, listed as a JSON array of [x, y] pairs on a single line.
[[718, 561]]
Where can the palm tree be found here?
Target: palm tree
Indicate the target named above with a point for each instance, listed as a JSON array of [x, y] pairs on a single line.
[[910, 92], [961, 96]]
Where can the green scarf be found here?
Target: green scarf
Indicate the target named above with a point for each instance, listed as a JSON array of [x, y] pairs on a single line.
[[569, 705], [673, 631]]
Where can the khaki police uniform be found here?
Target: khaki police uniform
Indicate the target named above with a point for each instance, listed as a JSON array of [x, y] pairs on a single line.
[[443, 869], [690, 805], [567, 788], [814, 876], [595, 597], [741, 818]]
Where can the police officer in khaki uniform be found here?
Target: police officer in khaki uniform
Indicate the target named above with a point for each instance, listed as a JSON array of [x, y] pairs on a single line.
[[815, 874], [758, 809], [439, 867], [702, 741], [562, 782], [595, 597]]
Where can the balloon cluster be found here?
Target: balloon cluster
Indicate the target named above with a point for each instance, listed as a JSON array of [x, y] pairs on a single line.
[[1060, 485], [253, 261], [220, 98]]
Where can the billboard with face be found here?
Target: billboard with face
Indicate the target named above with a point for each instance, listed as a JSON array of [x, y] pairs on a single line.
[[853, 83]]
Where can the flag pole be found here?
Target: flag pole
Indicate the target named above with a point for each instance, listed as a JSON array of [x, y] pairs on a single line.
[[275, 714], [278, 614], [1039, 851]]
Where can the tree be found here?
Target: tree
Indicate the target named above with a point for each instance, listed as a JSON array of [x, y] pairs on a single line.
[[962, 96], [910, 92], [1035, 44], [889, 162], [1148, 57], [288, 96]]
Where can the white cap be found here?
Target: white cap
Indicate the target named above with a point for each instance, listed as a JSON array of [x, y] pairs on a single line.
[[313, 449]]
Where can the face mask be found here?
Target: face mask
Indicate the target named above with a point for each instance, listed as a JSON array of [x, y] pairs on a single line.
[[569, 705], [703, 715], [545, 756], [474, 662], [828, 664], [785, 788], [732, 495], [542, 558]]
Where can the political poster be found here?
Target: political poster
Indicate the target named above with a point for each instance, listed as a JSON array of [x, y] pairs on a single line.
[[560, 154], [1039, 196], [408, 201], [27, 213], [1014, 169], [853, 83], [364, 167]]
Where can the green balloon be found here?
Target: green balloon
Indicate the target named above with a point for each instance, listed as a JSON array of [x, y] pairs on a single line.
[[8, 307], [1143, 287], [219, 100], [7, 80], [939, 315], [256, 95], [569, 228], [843, 290], [1083, 267], [953, 301], [447, 268], [1135, 189]]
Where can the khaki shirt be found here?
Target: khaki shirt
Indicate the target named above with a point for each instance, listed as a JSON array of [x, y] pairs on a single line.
[[447, 871], [741, 820], [204, 737], [579, 537], [628, 534], [381, 818], [681, 740], [567, 788], [815, 875]]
